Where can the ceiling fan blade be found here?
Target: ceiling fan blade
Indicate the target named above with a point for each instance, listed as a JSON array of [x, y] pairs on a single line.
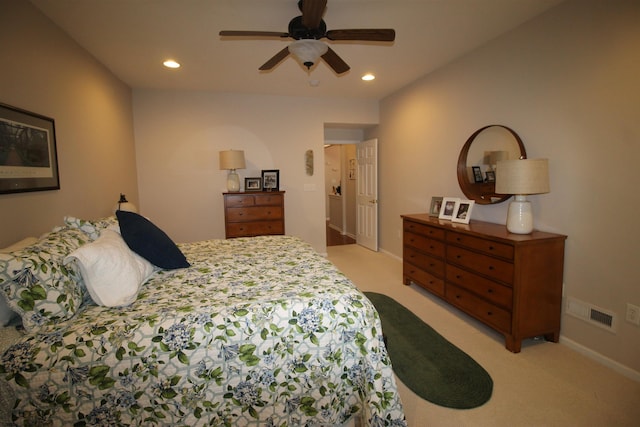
[[371, 34], [253, 34], [335, 62], [312, 11], [275, 60]]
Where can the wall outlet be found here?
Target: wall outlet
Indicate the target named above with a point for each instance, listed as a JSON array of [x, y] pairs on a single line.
[[633, 314]]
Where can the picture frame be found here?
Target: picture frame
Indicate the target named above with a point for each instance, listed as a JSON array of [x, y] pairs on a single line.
[[253, 184], [462, 211], [436, 204], [28, 155], [270, 180], [477, 174], [491, 176], [352, 168], [447, 208]]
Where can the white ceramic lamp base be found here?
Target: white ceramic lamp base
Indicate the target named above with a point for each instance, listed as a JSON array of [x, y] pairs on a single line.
[[233, 182], [520, 216]]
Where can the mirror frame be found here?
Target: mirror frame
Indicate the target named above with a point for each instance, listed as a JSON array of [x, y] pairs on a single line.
[[483, 193]]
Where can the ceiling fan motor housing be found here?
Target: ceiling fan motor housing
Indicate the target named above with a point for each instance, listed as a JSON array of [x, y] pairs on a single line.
[[298, 31]]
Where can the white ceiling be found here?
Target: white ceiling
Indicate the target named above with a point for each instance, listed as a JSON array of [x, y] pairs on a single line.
[[133, 37]]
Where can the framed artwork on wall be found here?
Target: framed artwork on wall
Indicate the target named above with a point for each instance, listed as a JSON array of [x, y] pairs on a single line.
[[270, 180], [28, 157], [253, 184], [448, 205], [462, 211]]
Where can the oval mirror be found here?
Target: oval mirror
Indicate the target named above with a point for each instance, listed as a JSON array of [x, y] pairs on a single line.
[[478, 158]]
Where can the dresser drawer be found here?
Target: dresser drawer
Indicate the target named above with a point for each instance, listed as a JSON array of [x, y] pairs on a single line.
[[254, 213], [268, 199], [493, 292], [257, 228], [424, 261], [424, 244], [491, 314], [238, 201], [488, 247], [423, 278], [425, 230], [482, 264]]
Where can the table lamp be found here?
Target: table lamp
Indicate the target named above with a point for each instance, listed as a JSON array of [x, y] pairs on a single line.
[[125, 205], [232, 160], [521, 177]]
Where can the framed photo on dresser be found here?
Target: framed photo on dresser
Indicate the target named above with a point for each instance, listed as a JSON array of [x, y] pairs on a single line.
[[436, 203], [270, 180], [448, 205], [462, 211], [253, 184]]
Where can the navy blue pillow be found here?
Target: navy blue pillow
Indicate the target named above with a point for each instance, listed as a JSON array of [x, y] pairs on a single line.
[[148, 241]]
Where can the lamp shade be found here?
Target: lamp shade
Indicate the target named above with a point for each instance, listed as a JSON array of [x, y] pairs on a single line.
[[308, 51], [232, 159], [524, 176]]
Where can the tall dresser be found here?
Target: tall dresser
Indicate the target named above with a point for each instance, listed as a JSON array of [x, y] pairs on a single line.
[[253, 213], [510, 282]]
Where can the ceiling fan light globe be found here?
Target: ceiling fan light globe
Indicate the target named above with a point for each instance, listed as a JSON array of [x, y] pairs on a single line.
[[308, 51]]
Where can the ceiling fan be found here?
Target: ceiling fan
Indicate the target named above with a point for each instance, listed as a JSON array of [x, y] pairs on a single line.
[[307, 30]]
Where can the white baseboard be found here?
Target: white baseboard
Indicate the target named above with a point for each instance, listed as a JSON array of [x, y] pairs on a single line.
[[603, 360]]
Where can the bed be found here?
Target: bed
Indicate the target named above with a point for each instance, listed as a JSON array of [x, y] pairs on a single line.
[[257, 331]]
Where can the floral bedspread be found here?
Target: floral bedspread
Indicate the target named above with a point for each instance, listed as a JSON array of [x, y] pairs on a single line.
[[257, 332]]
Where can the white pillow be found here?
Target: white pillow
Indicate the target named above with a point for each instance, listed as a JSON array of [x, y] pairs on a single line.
[[6, 314], [112, 273]]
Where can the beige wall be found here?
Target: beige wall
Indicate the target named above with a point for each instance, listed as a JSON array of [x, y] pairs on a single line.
[[567, 82], [46, 72], [178, 137]]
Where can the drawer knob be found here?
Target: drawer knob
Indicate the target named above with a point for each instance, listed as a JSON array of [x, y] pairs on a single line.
[[491, 248], [491, 268], [490, 313], [489, 291]]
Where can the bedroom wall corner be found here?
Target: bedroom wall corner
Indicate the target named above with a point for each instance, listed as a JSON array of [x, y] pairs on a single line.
[[46, 72]]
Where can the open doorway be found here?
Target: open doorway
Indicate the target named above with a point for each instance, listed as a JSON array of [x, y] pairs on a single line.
[[350, 175], [340, 190]]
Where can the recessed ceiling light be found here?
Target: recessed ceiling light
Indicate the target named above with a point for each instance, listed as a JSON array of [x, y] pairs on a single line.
[[170, 63], [368, 77]]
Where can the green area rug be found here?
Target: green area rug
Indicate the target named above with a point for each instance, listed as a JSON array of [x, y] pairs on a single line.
[[428, 364]]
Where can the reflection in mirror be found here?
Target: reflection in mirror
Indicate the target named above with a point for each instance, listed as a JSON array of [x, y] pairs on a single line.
[[478, 159]]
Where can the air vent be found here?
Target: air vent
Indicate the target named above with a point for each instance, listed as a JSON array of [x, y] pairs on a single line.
[[592, 314]]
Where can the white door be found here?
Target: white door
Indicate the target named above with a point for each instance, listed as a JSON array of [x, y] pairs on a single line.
[[367, 194]]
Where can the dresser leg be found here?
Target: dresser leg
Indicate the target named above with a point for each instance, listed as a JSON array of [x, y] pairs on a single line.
[[512, 344], [553, 337]]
